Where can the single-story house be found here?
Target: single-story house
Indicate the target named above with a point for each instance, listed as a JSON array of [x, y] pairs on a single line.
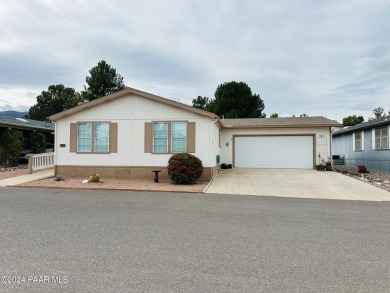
[[365, 144], [130, 133]]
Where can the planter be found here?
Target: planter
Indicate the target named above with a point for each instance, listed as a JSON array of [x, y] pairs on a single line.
[[321, 168], [362, 169], [328, 168]]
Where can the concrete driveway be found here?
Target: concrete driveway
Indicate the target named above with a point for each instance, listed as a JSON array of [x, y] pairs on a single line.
[[295, 183]]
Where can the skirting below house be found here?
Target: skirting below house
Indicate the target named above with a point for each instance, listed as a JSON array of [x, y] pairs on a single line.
[[120, 172]]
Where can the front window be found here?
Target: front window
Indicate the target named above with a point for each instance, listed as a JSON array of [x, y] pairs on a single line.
[[381, 138], [84, 137], [160, 137], [179, 137], [358, 141], [102, 137]]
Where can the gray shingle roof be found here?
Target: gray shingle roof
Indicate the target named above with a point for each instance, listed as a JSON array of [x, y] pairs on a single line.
[[364, 125], [279, 122], [23, 123]]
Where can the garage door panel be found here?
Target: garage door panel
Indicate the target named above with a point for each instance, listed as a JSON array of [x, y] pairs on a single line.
[[274, 152]]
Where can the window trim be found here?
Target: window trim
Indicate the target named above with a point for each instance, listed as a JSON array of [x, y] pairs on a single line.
[[167, 139], [77, 138], [380, 137], [354, 140], [185, 144], [92, 137], [169, 147]]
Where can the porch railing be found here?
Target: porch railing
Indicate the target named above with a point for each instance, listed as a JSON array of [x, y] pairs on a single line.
[[39, 162]]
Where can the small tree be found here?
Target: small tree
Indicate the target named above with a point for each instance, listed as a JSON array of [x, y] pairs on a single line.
[[352, 120], [378, 112], [11, 141], [232, 100], [184, 168], [200, 102], [274, 115], [56, 99], [38, 142]]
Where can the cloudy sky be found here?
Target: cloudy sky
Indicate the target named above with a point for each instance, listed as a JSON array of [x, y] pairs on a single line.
[[329, 58]]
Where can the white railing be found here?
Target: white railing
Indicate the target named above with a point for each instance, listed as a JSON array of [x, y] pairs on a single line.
[[39, 162]]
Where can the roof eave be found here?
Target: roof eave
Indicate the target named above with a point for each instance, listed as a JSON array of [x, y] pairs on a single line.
[[124, 92], [277, 126], [364, 127]]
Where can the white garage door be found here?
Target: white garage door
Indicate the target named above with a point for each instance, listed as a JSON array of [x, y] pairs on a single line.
[[279, 152]]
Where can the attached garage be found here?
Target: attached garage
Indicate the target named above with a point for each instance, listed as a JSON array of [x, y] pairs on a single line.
[[274, 151]]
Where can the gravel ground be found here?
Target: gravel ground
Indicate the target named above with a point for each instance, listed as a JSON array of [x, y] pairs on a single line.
[[377, 178], [117, 184], [12, 171]]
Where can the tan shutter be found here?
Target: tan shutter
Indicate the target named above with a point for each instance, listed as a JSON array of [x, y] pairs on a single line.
[[191, 137], [113, 137], [73, 138], [148, 137]]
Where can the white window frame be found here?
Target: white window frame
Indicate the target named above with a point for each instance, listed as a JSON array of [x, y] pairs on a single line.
[[377, 140], [96, 138], [90, 138], [172, 137], [361, 141], [154, 138]]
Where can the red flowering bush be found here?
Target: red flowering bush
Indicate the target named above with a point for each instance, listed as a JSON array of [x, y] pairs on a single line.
[[184, 168]]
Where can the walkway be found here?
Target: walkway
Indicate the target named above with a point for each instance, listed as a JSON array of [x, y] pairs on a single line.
[[27, 178]]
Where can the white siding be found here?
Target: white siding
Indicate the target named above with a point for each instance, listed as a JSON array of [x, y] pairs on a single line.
[[131, 113], [227, 137]]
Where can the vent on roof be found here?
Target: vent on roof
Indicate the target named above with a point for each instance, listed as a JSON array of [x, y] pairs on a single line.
[[21, 119]]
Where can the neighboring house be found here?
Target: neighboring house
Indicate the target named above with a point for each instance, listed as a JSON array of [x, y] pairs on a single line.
[[26, 126], [130, 133], [365, 144]]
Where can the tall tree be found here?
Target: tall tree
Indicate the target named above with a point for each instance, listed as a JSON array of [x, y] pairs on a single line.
[[233, 100], [56, 99], [200, 103], [103, 80], [352, 120], [378, 112]]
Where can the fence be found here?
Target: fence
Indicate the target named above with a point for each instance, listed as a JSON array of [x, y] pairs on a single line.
[[38, 162]]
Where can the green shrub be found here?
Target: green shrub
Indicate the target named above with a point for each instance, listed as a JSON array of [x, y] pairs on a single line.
[[59, 178], [184, 168], [94, 178], [11, 141], [38, 142]]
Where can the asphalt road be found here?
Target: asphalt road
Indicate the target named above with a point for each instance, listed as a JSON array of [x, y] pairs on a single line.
[[110, 241]]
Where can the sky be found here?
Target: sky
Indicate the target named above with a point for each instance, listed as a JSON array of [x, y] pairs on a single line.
[[328, 58]]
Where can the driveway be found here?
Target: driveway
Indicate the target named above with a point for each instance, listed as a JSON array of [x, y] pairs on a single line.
[[295, 183]]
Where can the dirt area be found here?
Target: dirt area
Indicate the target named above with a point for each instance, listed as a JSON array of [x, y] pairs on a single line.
[[117, 184], [376, 178], [8, 172]]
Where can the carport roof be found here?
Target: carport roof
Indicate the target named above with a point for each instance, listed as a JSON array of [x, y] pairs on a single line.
[[27, 124], [316, 121]]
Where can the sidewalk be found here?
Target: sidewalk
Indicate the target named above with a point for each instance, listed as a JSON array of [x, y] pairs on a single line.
[[27, 178]]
